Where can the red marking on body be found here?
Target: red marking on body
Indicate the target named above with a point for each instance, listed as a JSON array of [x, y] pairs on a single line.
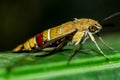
[[39, 39]]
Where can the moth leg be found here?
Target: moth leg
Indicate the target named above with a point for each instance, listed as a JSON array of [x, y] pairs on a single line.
[[75, 50], [62, 44], [100, 38], [48, 49], [78, 45], [93, 39], [39, 49]]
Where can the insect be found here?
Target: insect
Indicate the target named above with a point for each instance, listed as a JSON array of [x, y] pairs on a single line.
[[76, 32]]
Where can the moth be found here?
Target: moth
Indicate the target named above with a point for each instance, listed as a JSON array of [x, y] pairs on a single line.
[[54, 39]]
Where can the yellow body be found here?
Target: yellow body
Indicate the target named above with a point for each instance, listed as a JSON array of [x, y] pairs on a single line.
[[82, 25]]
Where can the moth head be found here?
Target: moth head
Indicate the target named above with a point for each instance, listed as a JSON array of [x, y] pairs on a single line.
[[86, 24], [94, 26]]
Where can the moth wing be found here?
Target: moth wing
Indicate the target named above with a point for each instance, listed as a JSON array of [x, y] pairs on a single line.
[[57, 41]]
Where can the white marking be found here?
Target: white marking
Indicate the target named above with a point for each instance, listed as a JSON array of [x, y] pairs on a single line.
[[60, 29], [49, 34], [36, 44]]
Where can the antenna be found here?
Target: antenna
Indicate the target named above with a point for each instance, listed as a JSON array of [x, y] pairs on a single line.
[[111, 16]]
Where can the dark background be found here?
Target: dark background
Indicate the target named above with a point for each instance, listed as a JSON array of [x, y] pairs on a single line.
[[22, 19]]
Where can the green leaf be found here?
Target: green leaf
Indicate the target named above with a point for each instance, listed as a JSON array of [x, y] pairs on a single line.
[[88, 64]]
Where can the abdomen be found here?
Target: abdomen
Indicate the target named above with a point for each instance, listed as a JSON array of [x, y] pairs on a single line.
[[40, 39]]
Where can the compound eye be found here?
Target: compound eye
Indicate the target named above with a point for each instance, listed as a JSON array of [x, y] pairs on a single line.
[[92, 28]]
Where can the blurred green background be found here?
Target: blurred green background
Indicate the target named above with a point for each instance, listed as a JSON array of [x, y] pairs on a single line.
[[22, 19]]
